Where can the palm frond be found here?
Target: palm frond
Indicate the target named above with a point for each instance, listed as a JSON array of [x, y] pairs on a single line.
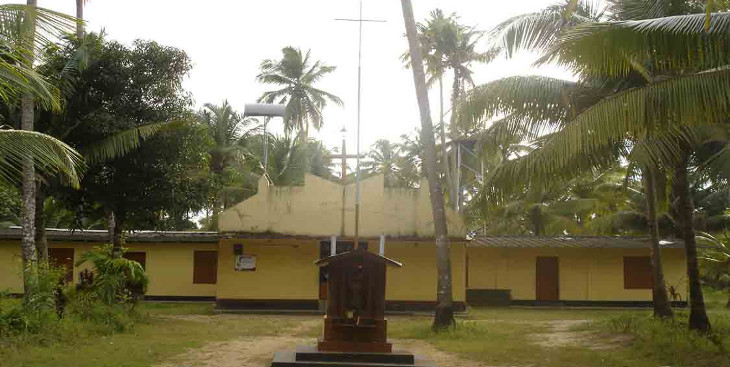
[[51, 156], [537, 31], [628, 116], [124, 142], [667, 44], [536, 99]]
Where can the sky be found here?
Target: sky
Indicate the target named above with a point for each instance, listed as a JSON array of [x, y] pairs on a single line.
[[228, 39]]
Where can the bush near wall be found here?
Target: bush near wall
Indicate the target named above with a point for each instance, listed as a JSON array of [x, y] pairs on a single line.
[[670, 342]]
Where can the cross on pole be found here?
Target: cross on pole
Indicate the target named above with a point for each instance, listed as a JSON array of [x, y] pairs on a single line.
[[360, 21], [344, 157]]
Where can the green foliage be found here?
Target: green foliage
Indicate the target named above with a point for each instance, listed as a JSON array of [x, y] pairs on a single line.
[[37, 307], [9, 205], [715, 259], [18, 41], [670, 342], [537, 31], [116, 279], [51, 156], [399, 168], [107, 318], [664, 45], [124, 96]]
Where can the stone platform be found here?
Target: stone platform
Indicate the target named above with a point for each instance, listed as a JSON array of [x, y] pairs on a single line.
[[311, 357]]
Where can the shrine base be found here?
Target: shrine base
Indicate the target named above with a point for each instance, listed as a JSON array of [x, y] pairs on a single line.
[[312, 357]]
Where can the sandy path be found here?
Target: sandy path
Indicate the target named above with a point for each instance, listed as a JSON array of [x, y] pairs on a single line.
[[562, 335], [258, 351], [240, 352], [439, 358]]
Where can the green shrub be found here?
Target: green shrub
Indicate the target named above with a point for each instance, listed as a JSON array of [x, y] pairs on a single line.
[[115, 279], [86, 306], [671, 342]]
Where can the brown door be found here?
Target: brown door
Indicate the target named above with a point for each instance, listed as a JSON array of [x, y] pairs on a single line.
[[63, 258], [547, 279]]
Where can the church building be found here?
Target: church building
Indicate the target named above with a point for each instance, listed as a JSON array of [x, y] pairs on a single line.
[[262, 257]]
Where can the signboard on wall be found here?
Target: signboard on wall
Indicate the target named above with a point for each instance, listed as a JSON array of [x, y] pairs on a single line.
[[245, 263]]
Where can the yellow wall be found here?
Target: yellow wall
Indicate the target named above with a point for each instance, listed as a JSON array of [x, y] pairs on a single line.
[[169, 266], [284, 270], [585, 274], [416, 280], [316, 209], [10, 278]]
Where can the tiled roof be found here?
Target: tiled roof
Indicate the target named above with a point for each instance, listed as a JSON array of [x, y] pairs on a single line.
[[570, 242], [95, 235]]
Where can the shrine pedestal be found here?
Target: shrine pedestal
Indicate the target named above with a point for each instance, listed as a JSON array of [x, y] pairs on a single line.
[[312, 357], [355, 328], [345, 335]]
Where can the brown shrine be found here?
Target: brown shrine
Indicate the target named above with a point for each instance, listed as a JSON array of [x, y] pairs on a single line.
[[355, 319]]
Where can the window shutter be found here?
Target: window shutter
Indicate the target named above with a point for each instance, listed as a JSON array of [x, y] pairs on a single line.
[[637, 272], [205, 267]]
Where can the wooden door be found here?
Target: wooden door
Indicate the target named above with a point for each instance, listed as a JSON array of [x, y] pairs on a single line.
[[63, 257], [548, 280]]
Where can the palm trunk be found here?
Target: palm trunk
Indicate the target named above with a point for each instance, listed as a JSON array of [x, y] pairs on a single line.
[[118, 239], [444, 313], [110, 223], [454, 172], [27, 212], [444, 153], [41, 244], [697, 314], [80, 17], [660, 299]]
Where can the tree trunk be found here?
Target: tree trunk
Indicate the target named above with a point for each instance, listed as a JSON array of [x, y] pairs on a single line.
[[444, 152], [444, 315], [697, 315], [118, 240], [27, 211], [80, 17], [110, 225], [536, 220], [660, 299], [41, 244], [454, 173]]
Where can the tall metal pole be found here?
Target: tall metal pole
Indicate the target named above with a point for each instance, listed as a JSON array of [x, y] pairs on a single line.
[[360, 20], [357, 144]]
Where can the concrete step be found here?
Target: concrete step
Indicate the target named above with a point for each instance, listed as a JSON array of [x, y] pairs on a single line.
[[289, 359], [309, 353]]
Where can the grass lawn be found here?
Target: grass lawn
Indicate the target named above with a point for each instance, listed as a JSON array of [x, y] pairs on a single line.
[[500, 336]]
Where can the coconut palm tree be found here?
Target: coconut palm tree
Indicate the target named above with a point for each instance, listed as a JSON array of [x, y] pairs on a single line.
[[297, 74], [545, 31], [228, 130], [446, 44], [80, 17], [683, 64], [444, 313], [384, 156], [20, 43]]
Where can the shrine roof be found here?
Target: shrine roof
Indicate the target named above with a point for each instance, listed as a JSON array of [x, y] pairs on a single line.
[[357, 253]]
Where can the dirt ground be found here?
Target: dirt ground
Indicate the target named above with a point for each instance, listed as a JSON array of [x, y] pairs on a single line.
[[258, 351], [561, 334]]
